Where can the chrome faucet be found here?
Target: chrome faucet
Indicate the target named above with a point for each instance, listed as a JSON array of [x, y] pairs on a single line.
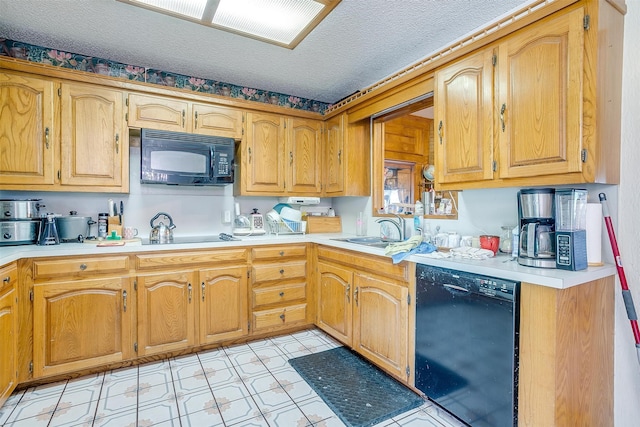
[[399, 224]]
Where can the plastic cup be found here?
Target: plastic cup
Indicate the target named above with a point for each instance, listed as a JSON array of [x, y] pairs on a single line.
[[490, 242]]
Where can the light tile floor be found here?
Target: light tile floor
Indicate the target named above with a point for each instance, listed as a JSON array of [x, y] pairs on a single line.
[[244, 385]]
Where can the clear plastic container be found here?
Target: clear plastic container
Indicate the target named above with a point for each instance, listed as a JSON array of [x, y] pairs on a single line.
[[506, 239]]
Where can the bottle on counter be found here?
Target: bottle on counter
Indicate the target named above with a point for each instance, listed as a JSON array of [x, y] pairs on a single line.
[[418, 217], [515, 241]]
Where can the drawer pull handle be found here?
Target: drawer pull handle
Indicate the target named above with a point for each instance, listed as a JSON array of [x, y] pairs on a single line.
[[203, 288], [190, 291], [355, 296], [281, 294], [6, 279], [282, 317], [348, 292], [281, 253], [83, 267], [124, 301], [282, 271], [504, 107], [440, 131], [46, 137]]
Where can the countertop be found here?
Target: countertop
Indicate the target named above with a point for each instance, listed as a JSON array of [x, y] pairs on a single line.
[[501, 266]]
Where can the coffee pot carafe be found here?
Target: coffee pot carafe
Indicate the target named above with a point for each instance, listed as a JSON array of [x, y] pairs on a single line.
[[537, 247], [48, 234]]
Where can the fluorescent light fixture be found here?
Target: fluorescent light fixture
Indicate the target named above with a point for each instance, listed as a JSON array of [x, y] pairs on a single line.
[[282, 22]]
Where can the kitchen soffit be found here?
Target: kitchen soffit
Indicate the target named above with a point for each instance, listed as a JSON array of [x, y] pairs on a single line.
[[281, 22]]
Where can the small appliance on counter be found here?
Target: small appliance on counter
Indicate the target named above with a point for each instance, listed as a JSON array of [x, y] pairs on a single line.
[[571, 229], [20, 222], [537, 227], [241, 224], [48, 234], [257, 223], [161, 233]]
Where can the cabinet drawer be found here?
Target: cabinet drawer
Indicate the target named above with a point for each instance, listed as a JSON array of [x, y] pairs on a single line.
[[8, 277], [168, 259], [279, 317], [279, 294], [269, 252], [289, 270], [80, 266]]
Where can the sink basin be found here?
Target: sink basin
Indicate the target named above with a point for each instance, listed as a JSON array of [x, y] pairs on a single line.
[[374, 241]]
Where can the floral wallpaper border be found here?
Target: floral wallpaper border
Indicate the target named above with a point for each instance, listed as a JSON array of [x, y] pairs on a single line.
[[74, 61]]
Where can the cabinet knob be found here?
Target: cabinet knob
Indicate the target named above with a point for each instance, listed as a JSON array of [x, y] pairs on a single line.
[[281, 294], [281, 253], [83, 267], [282, 271], [8, 279], [282, 317]]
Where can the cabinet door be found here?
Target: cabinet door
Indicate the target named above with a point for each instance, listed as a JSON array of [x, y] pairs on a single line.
[[28, 136], [334, 301], [540, 98], [223, 304], [380, 323], [304, 144], [8, 347], [263, 159], [333, 158], [464, 120], [217, 121], [166, 312], [94, 148], [81, 324], [154, 112]]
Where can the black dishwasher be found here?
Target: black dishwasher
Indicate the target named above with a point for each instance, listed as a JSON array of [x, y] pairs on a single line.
[[467, 344]]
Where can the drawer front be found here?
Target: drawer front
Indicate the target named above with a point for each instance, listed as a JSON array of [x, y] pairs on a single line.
[[279, 294], [279, 317], [168, 259], [80, 266], [289, 270], [270, 252], [8, 277]]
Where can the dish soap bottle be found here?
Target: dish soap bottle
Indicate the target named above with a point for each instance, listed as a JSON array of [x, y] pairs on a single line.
[[418, 216]]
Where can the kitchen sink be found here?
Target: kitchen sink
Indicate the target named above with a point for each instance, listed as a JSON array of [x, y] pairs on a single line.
[[374, 241]]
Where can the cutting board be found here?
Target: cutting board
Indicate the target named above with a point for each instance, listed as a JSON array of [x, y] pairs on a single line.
[[105, 243]]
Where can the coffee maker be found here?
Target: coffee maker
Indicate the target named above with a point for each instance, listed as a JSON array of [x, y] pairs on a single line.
[[536, 209], [571, 229]]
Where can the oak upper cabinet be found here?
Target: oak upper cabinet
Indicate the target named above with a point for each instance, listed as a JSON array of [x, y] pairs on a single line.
[[8, 331], [334, 301], [464, 119], [346, 158], [367, 311], [261, 156], [83, 313], [304, 155], [94, 140], [28, 133], [223, 304], [177, 115], [540, 74], [156, 112], [380, 322], [166, 312], [217, 121]]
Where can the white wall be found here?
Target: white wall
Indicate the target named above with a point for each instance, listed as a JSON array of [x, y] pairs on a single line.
[[627, 371]]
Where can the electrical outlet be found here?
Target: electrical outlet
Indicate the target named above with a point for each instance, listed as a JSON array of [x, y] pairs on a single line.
[[226, 217]]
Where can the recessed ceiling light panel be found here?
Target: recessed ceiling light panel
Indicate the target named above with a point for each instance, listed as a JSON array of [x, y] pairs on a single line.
[[281, 22]]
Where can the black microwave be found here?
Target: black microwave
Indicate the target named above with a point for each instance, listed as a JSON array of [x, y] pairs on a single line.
[[177, 158]]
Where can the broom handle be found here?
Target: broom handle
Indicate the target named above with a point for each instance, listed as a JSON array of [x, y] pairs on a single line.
[[626, 293]]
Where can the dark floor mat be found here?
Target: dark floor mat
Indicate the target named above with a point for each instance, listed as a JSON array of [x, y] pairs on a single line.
[[358, 392]]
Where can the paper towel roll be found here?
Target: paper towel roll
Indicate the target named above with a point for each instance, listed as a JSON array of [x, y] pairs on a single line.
[[594, 234]]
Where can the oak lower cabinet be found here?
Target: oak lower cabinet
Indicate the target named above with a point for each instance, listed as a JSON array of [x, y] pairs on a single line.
[[363, 301], [8, 331], [279, 297], [182, 303], [83, 313]]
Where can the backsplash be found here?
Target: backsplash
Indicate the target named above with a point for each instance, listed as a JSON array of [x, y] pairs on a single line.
[[74, 61]]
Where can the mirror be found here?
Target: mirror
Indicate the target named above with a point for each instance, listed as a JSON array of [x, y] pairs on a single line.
[[403, 163]]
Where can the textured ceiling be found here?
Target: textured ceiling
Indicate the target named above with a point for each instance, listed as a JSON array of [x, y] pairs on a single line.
[[360, 43]]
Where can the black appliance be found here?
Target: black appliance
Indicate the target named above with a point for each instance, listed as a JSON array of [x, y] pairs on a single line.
[[177, 158], [467, 344]]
